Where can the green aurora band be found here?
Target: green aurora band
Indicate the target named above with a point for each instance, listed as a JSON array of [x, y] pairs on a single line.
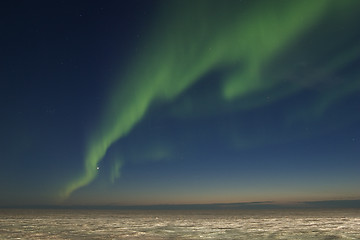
[[187, 40]]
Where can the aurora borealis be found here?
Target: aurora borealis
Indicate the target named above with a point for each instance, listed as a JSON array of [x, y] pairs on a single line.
[[181, 102]]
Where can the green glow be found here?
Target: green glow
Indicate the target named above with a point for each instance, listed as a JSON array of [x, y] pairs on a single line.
[[115, 170], [189, 39]]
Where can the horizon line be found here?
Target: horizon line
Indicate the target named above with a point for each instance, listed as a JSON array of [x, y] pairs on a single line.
[[331, 204]]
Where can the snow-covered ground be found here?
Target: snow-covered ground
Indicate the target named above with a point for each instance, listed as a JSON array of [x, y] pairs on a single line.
[[179, 224]]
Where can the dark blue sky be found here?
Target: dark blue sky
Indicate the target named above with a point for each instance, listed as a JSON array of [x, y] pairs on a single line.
[[152, 102]]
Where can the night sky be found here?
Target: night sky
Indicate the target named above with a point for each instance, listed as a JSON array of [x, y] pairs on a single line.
[[179, 102]]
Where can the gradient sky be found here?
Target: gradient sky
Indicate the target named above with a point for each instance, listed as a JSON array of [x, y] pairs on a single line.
[[172, 102]]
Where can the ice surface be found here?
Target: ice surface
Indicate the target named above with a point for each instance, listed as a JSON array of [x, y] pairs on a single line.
[[179, 224]]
